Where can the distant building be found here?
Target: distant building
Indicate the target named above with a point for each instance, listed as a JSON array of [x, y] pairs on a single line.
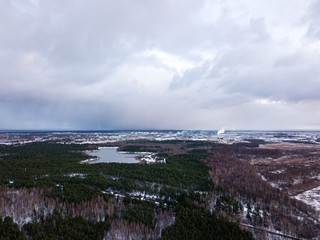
[[152, 158], [4, 137]]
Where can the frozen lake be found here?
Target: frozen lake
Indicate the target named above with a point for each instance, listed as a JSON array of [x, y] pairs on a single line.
[[108, 155]]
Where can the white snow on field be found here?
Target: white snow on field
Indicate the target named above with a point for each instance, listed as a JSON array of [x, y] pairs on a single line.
[[310, 197], [297, 181], [275, 185], [316, 177], [278, 171], [81, 175]]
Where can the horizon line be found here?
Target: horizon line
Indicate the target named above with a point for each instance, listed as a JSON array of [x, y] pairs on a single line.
[[156, 130]]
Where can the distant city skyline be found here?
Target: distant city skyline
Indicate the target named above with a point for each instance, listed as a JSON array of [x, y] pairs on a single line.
[[188, 65]]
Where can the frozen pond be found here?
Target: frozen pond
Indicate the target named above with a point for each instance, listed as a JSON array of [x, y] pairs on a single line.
[[108, 155]]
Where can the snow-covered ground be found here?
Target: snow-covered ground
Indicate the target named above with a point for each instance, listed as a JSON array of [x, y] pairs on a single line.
[[271, 183], [81, 175], [310, 197]]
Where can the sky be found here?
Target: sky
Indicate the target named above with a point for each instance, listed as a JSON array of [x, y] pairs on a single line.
[[169, 64]]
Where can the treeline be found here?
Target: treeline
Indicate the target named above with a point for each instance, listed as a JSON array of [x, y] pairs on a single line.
[[10, 230], [227, 203], [193, 222], [57, 227], [54, 226], [139, 211], [138, 148]]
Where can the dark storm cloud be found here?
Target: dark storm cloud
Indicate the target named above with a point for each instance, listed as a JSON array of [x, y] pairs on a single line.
[[160, 64]]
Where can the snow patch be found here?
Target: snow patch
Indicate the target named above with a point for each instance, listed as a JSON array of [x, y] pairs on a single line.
[[310, 197]]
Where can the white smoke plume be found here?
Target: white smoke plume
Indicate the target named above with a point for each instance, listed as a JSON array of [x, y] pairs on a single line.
[[221, 131]]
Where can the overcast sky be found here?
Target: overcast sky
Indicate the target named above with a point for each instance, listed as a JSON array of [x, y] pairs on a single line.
[[169, 64]]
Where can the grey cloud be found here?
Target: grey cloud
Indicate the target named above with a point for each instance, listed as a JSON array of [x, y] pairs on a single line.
[[313, 18], [79, 64], [257, 71]]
